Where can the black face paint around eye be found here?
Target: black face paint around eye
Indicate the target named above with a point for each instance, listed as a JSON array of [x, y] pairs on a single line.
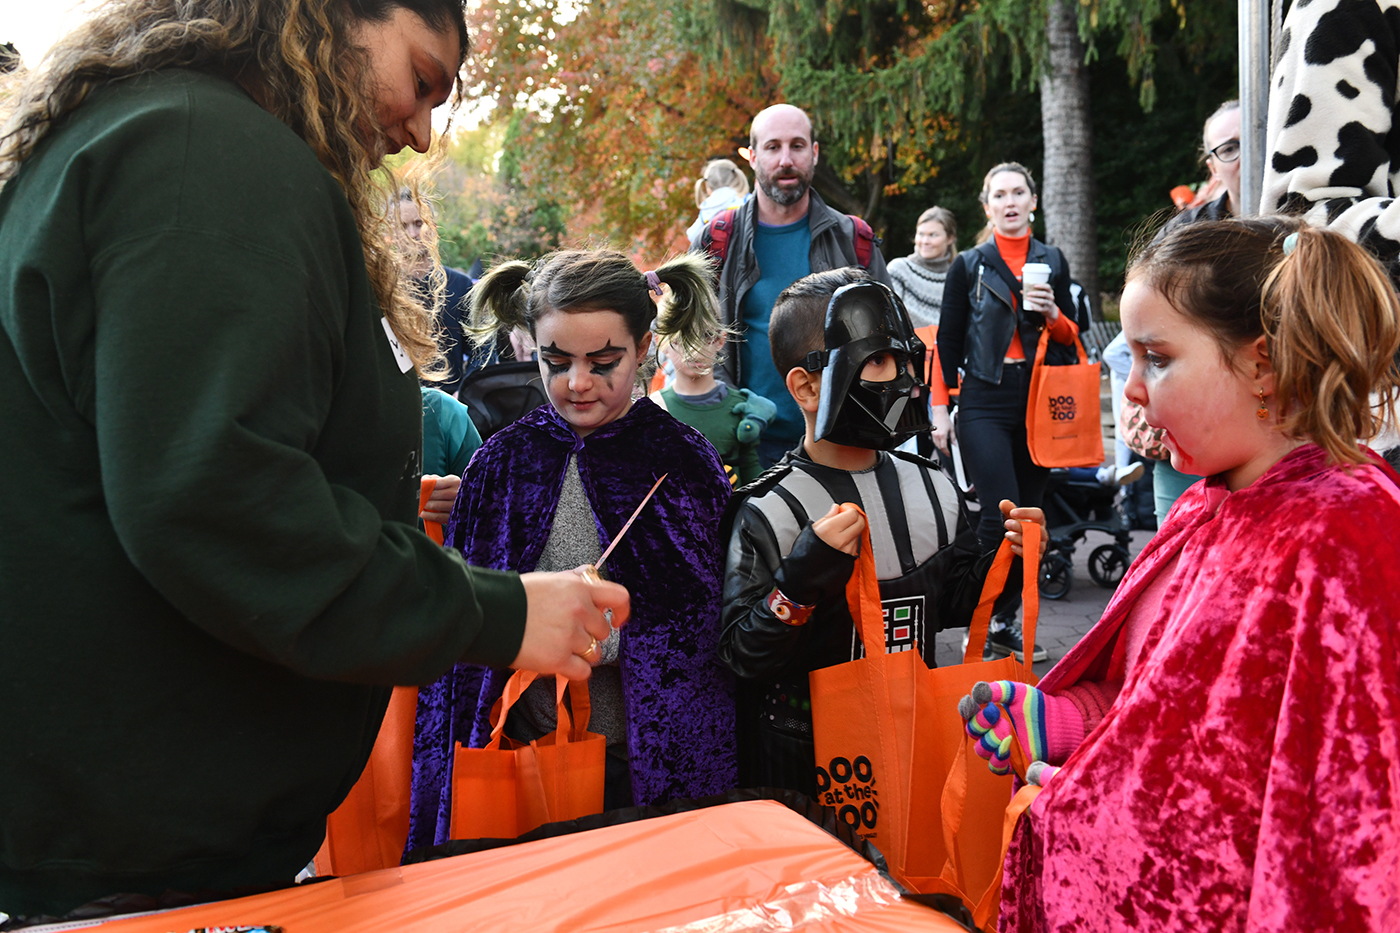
[[605, 369], [552, 368]]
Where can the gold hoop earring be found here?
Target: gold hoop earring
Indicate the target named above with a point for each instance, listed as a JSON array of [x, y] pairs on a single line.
[[1261, 412]]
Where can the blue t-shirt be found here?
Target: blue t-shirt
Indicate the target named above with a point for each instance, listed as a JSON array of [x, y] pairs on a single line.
[[784, 256]]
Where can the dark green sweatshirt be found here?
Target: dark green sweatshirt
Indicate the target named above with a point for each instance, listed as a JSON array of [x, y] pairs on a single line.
[[209, 569]]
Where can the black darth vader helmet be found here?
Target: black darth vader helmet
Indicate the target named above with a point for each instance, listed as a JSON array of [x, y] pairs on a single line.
[[864, 319]]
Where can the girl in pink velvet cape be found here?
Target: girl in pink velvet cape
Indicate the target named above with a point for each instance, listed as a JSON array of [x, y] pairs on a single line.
[[1246, 776]]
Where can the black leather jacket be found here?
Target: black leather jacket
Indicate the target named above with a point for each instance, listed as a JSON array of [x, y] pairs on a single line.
[[979, 315]]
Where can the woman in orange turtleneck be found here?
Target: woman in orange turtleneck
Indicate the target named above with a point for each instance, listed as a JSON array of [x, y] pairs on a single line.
[[989, 330]]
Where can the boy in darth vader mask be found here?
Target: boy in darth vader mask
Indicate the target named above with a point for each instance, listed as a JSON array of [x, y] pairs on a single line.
[[853, 365]]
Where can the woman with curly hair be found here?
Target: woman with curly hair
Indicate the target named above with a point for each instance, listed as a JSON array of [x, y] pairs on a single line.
[[211, 574]]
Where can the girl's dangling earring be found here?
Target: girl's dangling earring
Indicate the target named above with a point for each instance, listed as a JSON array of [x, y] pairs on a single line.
[[1032, 220], [1261, 412]]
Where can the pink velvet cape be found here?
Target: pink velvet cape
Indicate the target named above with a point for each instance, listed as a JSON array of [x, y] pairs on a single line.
[[1248, 776]]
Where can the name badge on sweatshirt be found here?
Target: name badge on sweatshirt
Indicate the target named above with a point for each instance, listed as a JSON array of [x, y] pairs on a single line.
[[400, 357]]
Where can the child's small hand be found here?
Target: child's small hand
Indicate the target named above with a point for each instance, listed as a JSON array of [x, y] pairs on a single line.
[[1014, 517], [439, 506], [841, 527]]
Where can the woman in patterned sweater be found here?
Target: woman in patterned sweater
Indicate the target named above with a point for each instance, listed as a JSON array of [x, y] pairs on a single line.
[[918, 278]]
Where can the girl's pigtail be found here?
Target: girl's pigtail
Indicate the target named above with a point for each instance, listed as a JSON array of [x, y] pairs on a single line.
[[1333, 325], [500, 302], [702, 191], [689, 315]]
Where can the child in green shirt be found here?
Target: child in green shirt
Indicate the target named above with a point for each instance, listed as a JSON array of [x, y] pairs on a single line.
[[732, 420]]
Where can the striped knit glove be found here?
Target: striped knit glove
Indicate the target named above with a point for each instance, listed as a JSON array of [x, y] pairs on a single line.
[[996, 710]]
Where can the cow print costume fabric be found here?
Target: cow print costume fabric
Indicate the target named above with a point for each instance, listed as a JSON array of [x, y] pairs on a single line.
[[1334, 152], [1334, 144]]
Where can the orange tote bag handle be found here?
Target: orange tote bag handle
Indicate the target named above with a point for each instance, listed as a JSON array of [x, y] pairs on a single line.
[[991, 900], [863, 593], [1031, 534], [426, 485], [957, 787]]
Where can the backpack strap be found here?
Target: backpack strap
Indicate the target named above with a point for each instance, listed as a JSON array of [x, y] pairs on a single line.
[[864, 240], [1057, 261], [721, 227], [717, 234]]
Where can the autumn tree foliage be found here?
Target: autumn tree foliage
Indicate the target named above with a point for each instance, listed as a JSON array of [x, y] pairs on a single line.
[[901, 85], [606, 110], [614, 114]]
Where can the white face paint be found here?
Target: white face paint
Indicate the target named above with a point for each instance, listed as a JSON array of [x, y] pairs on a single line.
[[589, 363]]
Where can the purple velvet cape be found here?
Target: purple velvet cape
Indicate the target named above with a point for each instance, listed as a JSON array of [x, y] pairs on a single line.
[[679, 698], [1247, 778]]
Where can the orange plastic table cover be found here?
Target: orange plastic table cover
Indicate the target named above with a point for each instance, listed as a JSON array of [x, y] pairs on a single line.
[[747, 866]]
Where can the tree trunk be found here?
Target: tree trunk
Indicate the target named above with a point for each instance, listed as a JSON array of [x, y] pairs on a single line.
[[1067, 188], [834, 191]]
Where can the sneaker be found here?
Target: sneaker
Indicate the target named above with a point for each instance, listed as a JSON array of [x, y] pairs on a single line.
[[1007, 641], [988, 654], [1004, 642], [1120, 476]]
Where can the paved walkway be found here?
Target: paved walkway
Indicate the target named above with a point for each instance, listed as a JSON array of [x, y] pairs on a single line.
[[1062, 621]]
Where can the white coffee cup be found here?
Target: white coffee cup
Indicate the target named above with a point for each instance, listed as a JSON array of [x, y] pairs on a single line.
[[1035, 273]]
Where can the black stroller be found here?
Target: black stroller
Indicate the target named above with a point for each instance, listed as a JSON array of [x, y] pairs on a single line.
[[1077, 503], [501, 394]]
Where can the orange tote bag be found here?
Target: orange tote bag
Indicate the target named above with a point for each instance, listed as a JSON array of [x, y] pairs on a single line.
[[509, 788], [369, 829], [1062, 416], [888, 738], [868, 719], [974, 800]]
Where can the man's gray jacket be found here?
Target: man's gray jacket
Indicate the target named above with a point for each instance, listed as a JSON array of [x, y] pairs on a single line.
[[833, 246]]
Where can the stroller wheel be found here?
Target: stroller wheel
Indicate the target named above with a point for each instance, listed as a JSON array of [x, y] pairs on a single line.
[[1107, 564], [1056, 576]]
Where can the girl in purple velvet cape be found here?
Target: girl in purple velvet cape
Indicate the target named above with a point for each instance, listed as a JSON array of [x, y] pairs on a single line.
[[1237, 764], [590, 314]]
